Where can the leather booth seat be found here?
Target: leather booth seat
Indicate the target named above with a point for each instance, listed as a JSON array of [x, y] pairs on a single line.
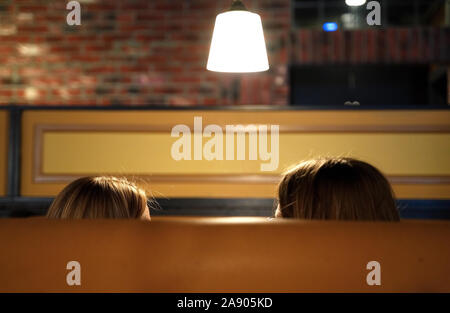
[[223, 255]]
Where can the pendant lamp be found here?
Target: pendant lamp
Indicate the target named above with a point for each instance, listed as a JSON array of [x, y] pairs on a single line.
[[238, 44]]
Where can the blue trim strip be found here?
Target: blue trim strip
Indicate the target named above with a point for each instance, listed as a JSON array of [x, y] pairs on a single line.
[[424, 209], [409, 208]]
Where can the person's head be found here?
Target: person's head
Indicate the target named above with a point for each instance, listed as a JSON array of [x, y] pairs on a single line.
[[100, 197], [336, 189]]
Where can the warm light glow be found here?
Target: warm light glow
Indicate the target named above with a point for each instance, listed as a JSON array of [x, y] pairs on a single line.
[[355, 2], [238, 44], [31, 93]]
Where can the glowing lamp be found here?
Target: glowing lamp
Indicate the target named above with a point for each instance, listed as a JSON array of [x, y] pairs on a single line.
[[354, 3], [238, 44]]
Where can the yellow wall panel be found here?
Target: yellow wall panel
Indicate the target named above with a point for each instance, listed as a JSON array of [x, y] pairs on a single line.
[[412, 147], [127, 153], [408, 154], [150, 153]]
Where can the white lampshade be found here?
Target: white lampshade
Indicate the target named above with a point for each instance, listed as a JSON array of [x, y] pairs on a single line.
[[355, 2], [237, 44]]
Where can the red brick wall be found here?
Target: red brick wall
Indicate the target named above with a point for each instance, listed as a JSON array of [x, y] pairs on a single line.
[[373, 45], [144, 52], [132, 52]]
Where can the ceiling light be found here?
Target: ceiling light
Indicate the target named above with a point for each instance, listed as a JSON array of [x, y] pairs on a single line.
[[238, 44], [354, 3]]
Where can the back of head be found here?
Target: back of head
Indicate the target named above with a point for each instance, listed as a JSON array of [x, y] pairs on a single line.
[[336, 189], [99, 197]]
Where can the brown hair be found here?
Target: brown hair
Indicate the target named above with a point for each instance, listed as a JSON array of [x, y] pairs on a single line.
[[100, 197], [336, 189]]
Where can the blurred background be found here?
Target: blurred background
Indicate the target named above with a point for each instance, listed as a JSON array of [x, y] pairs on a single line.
[[140, 52]]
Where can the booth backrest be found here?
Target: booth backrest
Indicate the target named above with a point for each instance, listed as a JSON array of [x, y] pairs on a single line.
[[223, 255]]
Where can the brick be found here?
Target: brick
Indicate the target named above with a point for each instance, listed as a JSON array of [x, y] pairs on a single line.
[[86, 58], [111, 38], [100, 70], [167, 90], [137, 68], [16, 81], [172, 6], [7, 49], [144, 17], [97, 48], [80, 38], [6, 93], [210, 101], [131, 53], [32, 28], [114, 79], [142, 6], [33, 8], [103, 7], [65, 49], [203, 6], [5, 8], [132, 28], [186, 79], [103, 90], [167, 68], [151, 38], [54, 38]]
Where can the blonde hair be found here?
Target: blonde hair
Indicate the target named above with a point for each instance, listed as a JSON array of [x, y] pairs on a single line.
[[336, 188], [99, 197]]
